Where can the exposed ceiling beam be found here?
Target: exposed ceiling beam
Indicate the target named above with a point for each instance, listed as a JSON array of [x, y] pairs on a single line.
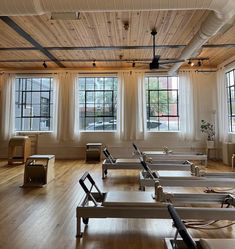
[[231, 45], [96, 47], [169, 60], [30, 39]]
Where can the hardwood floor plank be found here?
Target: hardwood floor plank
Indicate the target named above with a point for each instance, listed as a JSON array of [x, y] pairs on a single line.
[[39, 218]]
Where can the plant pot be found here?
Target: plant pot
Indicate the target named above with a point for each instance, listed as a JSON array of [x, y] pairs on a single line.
[[210, 144]]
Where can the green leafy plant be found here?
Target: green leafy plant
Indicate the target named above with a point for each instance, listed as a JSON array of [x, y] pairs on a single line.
[[209, 129]]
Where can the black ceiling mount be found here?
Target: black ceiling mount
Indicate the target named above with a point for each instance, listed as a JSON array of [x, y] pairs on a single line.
[[155, 61]]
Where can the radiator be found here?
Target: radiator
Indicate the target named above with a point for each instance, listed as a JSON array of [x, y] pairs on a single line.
[[228, 150]]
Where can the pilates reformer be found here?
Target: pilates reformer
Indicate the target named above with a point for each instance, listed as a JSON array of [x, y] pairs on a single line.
[[133, 204], [187, 242], [170, 155], [111, 163], [195, 178]]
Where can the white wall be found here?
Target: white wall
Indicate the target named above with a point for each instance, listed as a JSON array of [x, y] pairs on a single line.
[[206, 107]]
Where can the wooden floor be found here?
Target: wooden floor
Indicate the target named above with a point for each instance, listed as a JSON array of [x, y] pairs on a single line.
[[44, 218]]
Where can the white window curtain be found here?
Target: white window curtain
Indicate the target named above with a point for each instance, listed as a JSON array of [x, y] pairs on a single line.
[[7, 86], [188, 106], [222, 107], [131, 112], [66, 114]]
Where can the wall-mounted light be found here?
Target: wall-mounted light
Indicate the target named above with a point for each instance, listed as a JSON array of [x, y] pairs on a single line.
[[44, 64]]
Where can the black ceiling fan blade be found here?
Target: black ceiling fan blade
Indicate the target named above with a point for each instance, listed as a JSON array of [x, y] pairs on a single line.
[[165, 66], [170, 62]]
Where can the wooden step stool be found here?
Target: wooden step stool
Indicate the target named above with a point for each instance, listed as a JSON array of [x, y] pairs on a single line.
[[19, 141], [39, 170], [93, 152]]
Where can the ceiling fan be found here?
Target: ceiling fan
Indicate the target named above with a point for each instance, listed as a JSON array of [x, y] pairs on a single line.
[[156, 62]]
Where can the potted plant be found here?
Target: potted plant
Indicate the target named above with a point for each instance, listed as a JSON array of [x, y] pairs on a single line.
[[209, 129]]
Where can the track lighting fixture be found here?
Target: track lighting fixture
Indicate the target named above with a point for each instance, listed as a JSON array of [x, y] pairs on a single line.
[[44, 64], [197, 61], [190, 63]]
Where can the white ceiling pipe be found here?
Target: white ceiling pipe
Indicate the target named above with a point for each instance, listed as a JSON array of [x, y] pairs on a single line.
[[39, 7], [213, 23]]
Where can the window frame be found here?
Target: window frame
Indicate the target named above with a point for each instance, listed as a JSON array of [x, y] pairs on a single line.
[[148, 103], [22, 101], [229, 86], [103, 116]]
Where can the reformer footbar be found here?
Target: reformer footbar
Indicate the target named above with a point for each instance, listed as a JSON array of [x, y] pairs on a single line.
[[108, 155]]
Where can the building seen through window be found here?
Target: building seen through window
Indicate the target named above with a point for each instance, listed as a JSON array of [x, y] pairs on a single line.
[[33, 104], [162, 103], [97, 98]]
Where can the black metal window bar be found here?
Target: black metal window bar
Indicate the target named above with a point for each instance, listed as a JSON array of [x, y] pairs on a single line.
[[162, 99], [230, 85], [33, 104], [97, 103]]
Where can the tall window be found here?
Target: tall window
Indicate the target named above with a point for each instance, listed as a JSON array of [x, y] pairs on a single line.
[[97, 103], [162, 103], [230, 84], [33, 104]]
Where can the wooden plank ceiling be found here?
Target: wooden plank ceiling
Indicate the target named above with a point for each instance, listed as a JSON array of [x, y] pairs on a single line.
[[107, 29]]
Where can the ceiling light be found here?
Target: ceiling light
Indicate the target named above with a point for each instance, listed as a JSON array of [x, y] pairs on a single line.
[[191, 63], [126, 25], [44, 64], [65, 15]]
